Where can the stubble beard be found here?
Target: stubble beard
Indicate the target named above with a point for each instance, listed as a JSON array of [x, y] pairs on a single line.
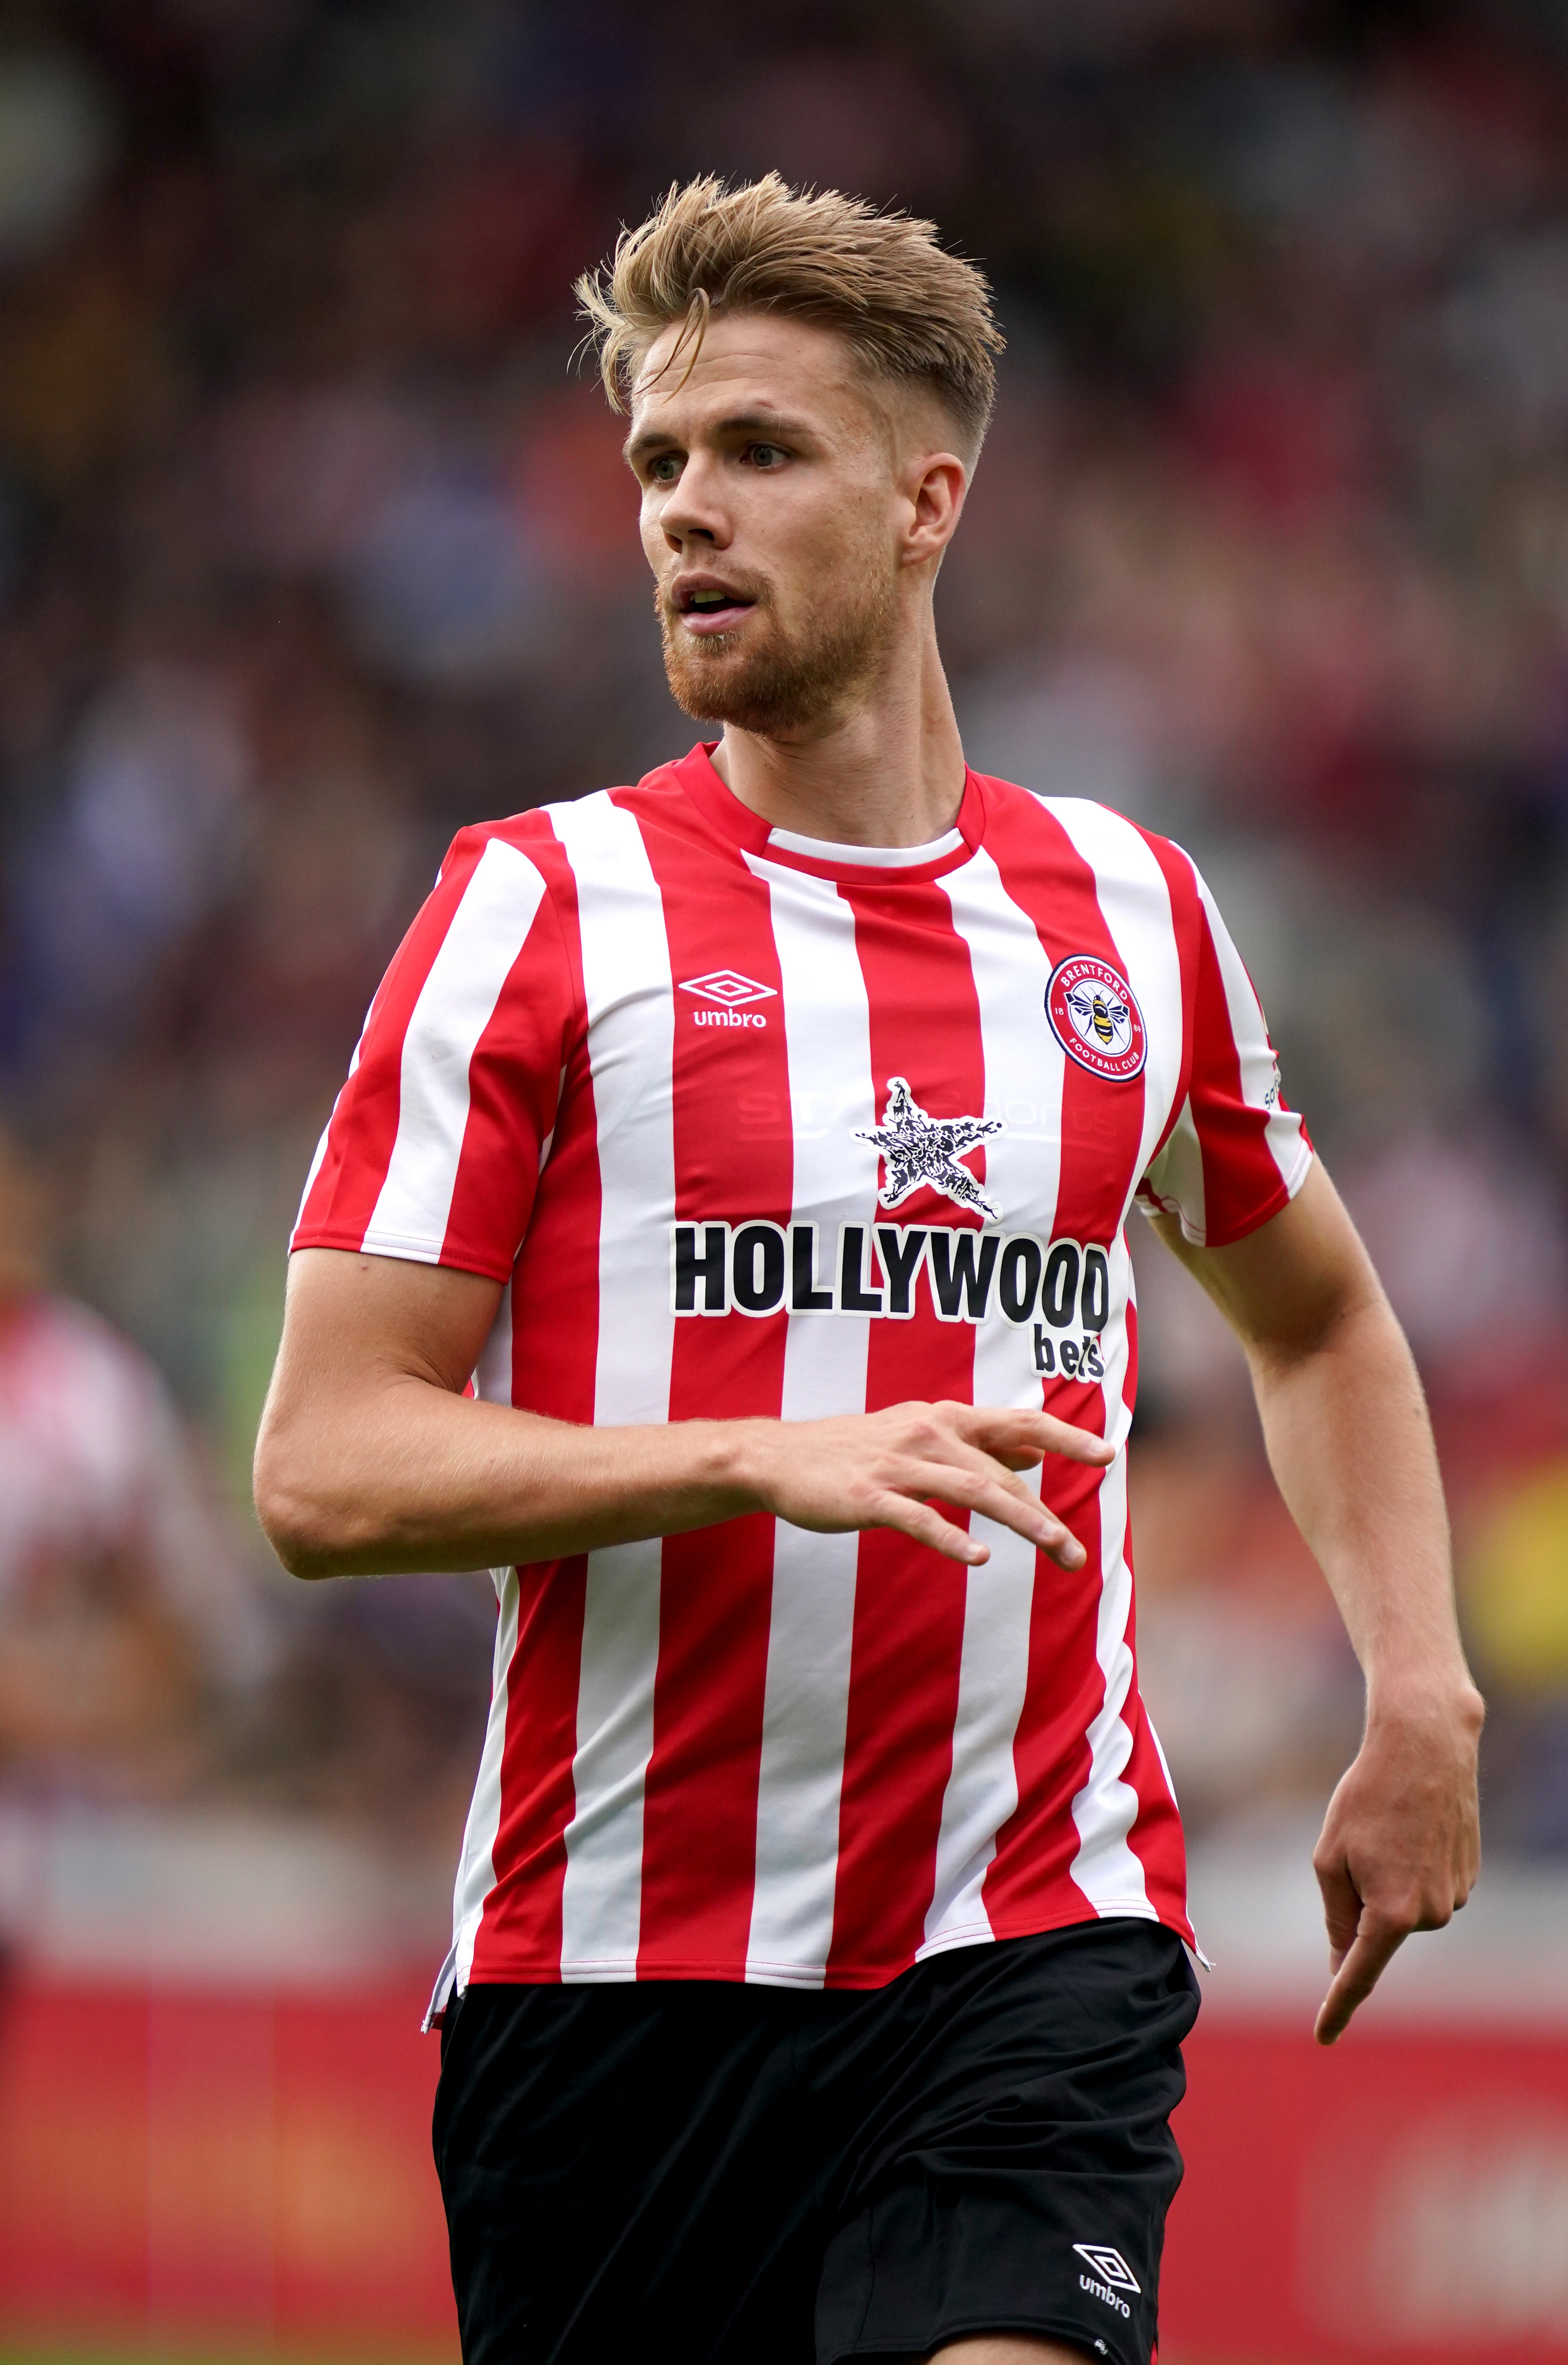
[[775, 686]]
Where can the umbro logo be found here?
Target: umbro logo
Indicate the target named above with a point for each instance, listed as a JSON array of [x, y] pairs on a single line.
[[1112, 2275], [728, 986], [731, 989], [1108, 2263]]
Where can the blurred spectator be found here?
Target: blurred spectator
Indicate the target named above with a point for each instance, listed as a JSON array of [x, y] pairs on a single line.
[[1468, 1239], [139, 849], [124, 1615], [375, 1717]]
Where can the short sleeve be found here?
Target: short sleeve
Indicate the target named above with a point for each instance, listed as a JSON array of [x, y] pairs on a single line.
[[1235, 1154], [433, 1149]]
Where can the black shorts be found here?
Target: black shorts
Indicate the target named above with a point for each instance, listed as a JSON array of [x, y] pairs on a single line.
[[733, 2175]]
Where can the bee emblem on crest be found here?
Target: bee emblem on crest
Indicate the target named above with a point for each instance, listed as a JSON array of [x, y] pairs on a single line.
[[1106, 1019]]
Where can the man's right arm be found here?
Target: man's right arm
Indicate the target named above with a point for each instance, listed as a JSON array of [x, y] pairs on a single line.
[[370, 1459]]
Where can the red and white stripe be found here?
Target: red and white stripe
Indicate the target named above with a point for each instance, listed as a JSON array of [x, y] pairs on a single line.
[[626, 983], [811, 1604], [1024, 1079]]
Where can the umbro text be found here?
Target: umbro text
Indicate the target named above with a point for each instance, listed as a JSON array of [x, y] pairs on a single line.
[[1104, 2290]]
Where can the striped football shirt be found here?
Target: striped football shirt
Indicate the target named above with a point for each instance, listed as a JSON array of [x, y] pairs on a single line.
[[748, 1124]]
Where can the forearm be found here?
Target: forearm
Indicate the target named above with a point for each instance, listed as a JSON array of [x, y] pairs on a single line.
[[1350, 1444], [1351, 1447], [370, 1459], [408, 1476]]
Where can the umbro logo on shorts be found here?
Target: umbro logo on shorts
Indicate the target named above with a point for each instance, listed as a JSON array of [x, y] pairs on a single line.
[[1112, 2275], [731, 990], [1109, 2263]]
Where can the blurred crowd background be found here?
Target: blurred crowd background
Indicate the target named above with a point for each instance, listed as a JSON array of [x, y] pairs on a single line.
[[315, 543]]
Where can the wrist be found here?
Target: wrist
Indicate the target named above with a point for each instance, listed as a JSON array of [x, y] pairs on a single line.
[[734, 1461], [1419, 1694]]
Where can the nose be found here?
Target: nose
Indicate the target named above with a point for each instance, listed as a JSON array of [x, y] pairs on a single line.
[[692, 510]]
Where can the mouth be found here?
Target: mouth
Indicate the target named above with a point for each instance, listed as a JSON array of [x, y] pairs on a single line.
[[706, 606]]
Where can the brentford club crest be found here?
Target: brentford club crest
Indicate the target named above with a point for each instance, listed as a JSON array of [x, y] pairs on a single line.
[[1095, 1018]]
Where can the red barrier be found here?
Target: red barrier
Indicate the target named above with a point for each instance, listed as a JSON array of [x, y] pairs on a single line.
[[1402, 2199], [258, 2167], [177, 2164]]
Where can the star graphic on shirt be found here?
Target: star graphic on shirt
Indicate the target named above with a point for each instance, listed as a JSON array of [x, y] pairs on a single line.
[[918, 1149]]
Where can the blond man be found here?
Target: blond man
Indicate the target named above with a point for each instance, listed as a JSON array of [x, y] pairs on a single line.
[[721, 1234]]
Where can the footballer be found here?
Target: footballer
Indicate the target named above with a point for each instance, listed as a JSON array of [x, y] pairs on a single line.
[[722, 1237]]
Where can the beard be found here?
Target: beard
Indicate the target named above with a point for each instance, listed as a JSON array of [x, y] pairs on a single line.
[[770, 682]]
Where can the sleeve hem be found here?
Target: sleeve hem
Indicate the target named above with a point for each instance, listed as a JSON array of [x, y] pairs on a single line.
[[1278, 1199], [403, 1248]]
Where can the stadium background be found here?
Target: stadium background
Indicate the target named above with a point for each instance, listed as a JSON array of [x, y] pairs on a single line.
[[313, 546]]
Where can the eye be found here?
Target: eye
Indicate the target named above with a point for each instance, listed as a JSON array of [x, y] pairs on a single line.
[[765, 456], [664, 468]]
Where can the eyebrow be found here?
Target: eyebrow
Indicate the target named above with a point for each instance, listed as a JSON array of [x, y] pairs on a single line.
[[740, 422]]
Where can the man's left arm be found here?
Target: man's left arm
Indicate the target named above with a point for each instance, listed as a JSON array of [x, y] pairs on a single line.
[[1350, 1444]]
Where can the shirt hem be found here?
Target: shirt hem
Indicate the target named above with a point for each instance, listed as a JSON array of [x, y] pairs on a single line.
[[611, 1970]]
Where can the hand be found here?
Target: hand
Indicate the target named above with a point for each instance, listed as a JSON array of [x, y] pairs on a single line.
[[880, 1470], [1401, 1843]]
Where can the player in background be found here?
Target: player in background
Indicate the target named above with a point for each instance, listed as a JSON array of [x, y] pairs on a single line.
[[125, 1618], [721, 1235], [130, 1630]]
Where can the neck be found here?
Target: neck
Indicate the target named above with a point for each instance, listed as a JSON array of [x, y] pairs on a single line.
[[888, 770]]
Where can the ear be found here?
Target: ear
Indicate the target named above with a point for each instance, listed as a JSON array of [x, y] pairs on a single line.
[[934, 485]]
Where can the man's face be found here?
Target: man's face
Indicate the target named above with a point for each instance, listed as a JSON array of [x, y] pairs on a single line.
[[773, 500]]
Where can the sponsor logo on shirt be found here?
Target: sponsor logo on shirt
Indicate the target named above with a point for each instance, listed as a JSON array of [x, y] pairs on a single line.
[[920, 1150], [728, 988], [1095, 1017], [1051, 1288], [1112, 2276]]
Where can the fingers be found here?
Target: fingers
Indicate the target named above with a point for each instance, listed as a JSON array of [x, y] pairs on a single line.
[[1342, 1905], [989, 1494], [985, 1442], [1400, 1847], [926, 1436], [1371, 1950], [1364, 1937], [1022, 1438], [927, 1525], [1359, 1943], [890, 1468], [1075, 1445]]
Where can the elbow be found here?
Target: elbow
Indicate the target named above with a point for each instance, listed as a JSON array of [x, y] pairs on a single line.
[[300, 1537], [296, 1518]]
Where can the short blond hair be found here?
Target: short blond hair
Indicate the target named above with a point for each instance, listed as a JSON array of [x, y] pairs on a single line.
[[908, 308]]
